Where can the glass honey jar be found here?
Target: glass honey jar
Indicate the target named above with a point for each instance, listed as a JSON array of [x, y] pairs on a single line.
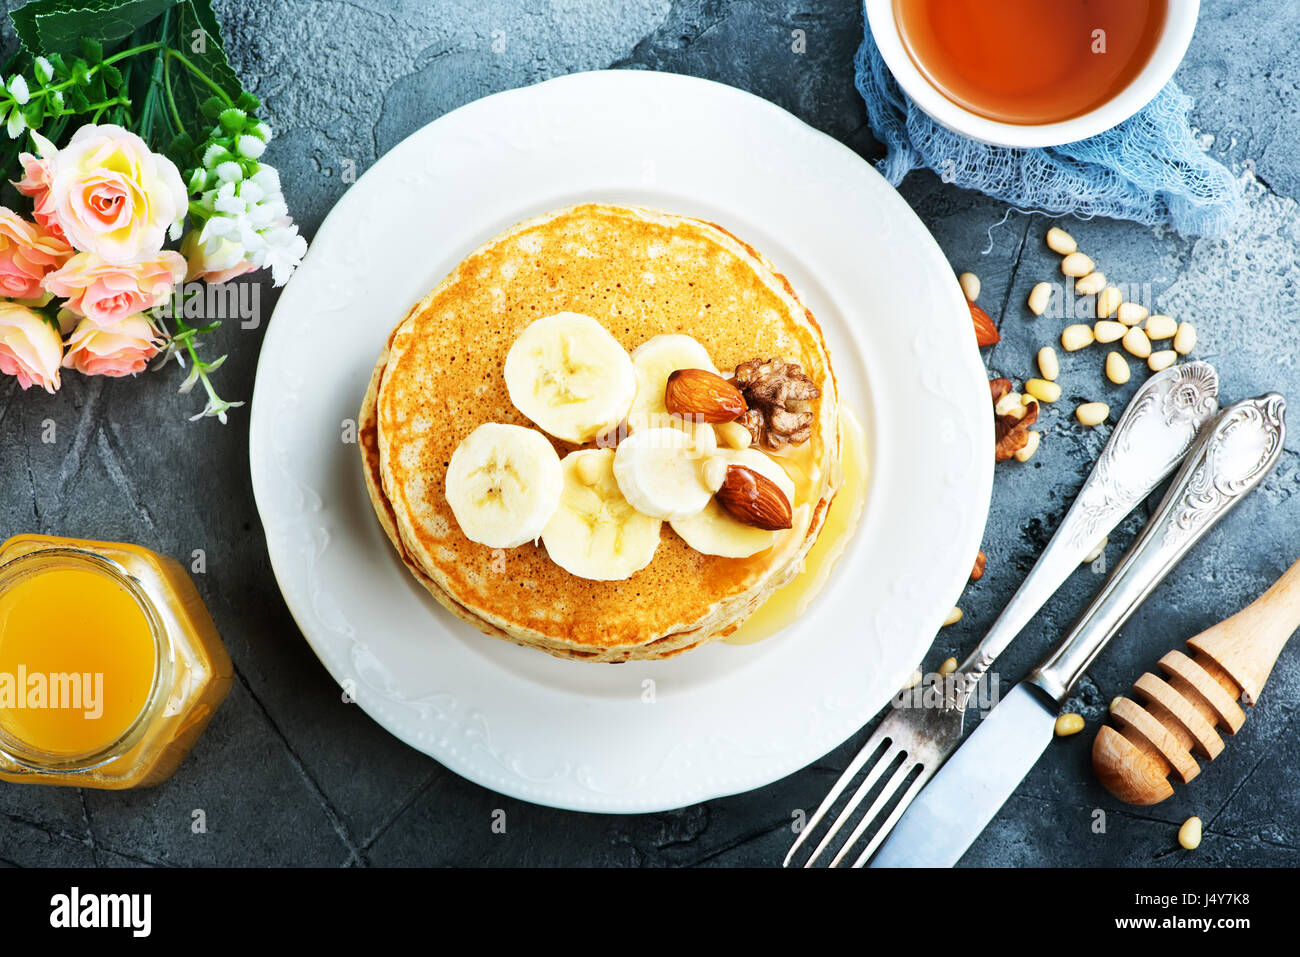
[[110, 665]]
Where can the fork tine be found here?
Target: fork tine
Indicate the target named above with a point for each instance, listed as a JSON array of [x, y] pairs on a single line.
[[894, 815], [886, 759], [868, 749], [877, 805]]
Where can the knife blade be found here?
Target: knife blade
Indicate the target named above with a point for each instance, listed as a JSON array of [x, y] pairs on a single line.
[[963, 797], [1233, 455]]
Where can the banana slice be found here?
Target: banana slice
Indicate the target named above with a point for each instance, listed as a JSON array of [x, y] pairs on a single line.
[[654, 361], [595, 533], [660, 473], [570, 376], [714, 532], [503, 484]]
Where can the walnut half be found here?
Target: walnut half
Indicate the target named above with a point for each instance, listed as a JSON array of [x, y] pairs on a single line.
[[1011, 428], [780, 402]]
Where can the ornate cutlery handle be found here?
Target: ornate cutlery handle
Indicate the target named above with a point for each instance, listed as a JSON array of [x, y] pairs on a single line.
[[1230, 459], [1148, 442]]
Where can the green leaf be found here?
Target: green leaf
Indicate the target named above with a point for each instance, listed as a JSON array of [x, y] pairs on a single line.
[[77, 99], [205, 51], [46, 26], [91, 49], [194, 33], [34, 113], [181, 145], [111, 74]]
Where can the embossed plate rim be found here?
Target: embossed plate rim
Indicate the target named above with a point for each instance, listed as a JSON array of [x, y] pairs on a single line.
[[724, 719]]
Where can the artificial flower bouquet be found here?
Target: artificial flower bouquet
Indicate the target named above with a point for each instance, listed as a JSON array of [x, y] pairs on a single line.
[[128, 133]]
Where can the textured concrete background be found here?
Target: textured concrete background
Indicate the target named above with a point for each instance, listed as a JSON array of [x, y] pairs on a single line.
[[287, 774]]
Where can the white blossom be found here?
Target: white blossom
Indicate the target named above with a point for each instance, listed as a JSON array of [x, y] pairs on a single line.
[[229, 172], [249, 220], [250, 146], [15, 124], [18, 89]]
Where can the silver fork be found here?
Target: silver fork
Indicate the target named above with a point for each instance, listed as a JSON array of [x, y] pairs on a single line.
[[1148, 442]]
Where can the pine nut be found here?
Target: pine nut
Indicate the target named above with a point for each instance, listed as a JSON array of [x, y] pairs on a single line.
[[1160, 327], [1107, 331], [1092, 413], [970, 285], [1137, 343], [1108, 301], [733, 435], [1115, 700], [914, 680], [1031, 446], [954, 616], [1117, 370], [1059, 241], [1077, 265], [1162, 360], [1097, 549], [1091, 284], [1068, 724], [715, 472], [1131, 313], [1042, 390], [588, 470], [1012, 403], [1076, 337], [1185, 338], [1048, 364], [948, 667], [1039, 297], [1189, 835]]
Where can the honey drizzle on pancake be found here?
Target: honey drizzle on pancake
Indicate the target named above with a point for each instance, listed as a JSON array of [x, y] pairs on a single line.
[[788, 603], [661, 273]]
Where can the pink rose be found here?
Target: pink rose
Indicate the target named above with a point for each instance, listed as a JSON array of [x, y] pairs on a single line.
[[121, 349], [27, 254], [36, 184], [113, 196], [30, 348], [217, 260], [106, 294]]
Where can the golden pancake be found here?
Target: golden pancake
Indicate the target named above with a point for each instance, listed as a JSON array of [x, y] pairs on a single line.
[[639, 273]]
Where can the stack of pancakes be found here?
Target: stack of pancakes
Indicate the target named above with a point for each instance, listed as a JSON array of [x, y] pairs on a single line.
[[640, 273]]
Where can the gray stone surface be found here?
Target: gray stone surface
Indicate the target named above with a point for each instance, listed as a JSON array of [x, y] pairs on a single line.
[[287, 774]]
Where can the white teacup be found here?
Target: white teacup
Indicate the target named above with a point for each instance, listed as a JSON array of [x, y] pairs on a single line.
[[1171, 45]]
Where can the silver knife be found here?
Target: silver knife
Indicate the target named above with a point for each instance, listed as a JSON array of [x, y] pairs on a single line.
[[1232, 456]]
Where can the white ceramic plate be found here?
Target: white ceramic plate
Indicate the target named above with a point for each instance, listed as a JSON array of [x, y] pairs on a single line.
[[641, 736]]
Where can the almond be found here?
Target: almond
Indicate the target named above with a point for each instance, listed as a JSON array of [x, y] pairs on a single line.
[[754, 499], [986, 333], [703, 395]]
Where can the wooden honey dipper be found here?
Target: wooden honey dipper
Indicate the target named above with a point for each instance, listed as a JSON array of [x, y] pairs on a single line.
[[1184, 711]]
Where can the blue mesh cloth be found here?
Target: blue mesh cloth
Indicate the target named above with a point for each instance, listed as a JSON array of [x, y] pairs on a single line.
[[1148, 169]]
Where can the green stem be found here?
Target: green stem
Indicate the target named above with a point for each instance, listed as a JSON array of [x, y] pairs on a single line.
[[155, 84], [171, 97], [165, 55], [142, 48], [203, 77]]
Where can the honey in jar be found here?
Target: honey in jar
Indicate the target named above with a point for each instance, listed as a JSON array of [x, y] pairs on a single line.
[[110, 665]]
